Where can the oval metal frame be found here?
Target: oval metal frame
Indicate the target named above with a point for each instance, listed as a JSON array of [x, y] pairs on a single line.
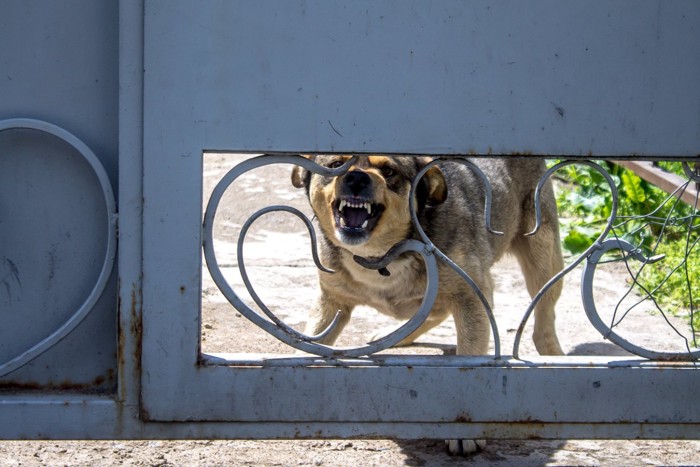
[[111, 250]]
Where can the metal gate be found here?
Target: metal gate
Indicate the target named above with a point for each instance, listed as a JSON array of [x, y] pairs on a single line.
[[155, 85]]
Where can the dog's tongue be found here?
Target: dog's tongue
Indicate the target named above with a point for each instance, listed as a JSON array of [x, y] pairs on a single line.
[[354, 217]]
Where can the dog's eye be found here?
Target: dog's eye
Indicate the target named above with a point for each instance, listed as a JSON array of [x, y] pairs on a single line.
[[336, 164], [388, 171]]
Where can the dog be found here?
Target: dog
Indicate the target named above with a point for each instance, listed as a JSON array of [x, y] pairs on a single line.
[[366, 211]]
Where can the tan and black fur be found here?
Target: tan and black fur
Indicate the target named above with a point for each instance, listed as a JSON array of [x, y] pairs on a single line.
[[450, 205]]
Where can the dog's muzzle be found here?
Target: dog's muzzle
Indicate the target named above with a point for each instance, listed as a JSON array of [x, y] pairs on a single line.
[[355, 212]]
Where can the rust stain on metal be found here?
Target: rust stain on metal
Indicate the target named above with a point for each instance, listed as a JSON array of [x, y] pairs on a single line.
[[144, 415], [17, 386], [136, 327], [129, 347], [100, 384], [135, 330]]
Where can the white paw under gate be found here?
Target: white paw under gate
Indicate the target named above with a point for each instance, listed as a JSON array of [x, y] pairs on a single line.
[[107, 110]]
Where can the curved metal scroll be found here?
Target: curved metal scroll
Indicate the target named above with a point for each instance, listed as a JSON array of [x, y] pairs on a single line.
[[693, 175], [487, 222], [111, 249], [592, 313], [273, 325], [583, 256], [251, 289]]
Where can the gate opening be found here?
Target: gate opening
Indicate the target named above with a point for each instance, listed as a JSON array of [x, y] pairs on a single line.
[[279, 264]]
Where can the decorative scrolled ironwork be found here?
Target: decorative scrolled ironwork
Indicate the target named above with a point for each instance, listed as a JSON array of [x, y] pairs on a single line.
[[444, 258], [87, 305], [273, 325], [577, 261], [607, 241], [606, 330]]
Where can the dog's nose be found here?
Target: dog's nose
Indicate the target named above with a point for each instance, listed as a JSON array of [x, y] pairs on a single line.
[[357, 181]]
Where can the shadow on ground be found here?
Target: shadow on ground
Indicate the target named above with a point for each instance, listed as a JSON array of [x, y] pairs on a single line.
[[498, 452]]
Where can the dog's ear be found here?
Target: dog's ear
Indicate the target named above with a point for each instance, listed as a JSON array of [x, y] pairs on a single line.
[[434, 182], [301, 176]]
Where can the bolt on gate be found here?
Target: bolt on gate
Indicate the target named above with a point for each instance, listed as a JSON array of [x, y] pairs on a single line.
[[109, 112]]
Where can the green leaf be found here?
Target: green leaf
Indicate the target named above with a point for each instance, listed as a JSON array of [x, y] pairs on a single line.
[[577, 242], [633, 187]]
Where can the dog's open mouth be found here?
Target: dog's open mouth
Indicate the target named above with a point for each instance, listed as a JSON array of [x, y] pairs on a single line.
[[355, 218]]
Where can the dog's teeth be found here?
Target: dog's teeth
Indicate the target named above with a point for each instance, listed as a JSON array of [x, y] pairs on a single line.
[[368, 207], [342, 205], [364, 224], [342, 222]]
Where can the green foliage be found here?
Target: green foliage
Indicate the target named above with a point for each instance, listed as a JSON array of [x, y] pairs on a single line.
[[675, 280], [647, 217], [585, 204], [632, 186]]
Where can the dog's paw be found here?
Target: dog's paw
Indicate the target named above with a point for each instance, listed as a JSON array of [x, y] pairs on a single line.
[[464, 447]]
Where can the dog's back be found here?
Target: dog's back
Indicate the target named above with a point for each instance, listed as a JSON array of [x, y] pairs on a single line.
[[461, 218]]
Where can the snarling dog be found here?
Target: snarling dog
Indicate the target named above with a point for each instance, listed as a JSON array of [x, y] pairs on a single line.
[[365, 212]]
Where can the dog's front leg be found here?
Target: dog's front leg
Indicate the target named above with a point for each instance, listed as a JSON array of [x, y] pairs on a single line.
[[322, 314], [473, 327], [473, 333]]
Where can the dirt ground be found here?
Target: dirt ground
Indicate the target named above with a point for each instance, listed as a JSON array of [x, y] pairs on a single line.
[[379, 453], [276, 255]]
